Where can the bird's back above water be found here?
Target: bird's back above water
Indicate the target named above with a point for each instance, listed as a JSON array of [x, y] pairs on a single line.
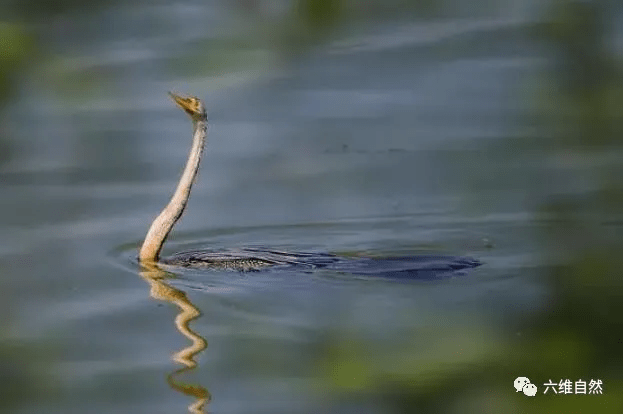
[[420, 267]]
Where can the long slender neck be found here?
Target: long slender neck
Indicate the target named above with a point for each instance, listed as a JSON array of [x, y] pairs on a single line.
[[162, 225]]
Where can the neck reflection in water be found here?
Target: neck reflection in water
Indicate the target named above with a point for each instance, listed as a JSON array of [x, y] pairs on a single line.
[[160, 290]]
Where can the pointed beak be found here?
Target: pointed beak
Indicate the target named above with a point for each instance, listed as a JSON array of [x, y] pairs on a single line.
[[186, 104]]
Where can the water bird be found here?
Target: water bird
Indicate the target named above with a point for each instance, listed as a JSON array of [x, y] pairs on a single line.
[[251, 259]]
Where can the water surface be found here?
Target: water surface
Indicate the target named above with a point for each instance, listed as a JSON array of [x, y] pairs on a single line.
[[355, 148]]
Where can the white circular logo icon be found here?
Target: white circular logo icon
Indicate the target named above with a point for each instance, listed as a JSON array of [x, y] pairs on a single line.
[[520, 382], [523, 384], [529, 390]]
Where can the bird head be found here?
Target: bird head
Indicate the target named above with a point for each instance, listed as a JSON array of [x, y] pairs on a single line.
[[192, 105]]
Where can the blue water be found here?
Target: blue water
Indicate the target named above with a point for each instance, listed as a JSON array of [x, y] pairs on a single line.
[[366, 145]]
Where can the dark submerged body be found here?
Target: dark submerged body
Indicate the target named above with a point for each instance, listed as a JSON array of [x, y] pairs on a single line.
[[426, 267]]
